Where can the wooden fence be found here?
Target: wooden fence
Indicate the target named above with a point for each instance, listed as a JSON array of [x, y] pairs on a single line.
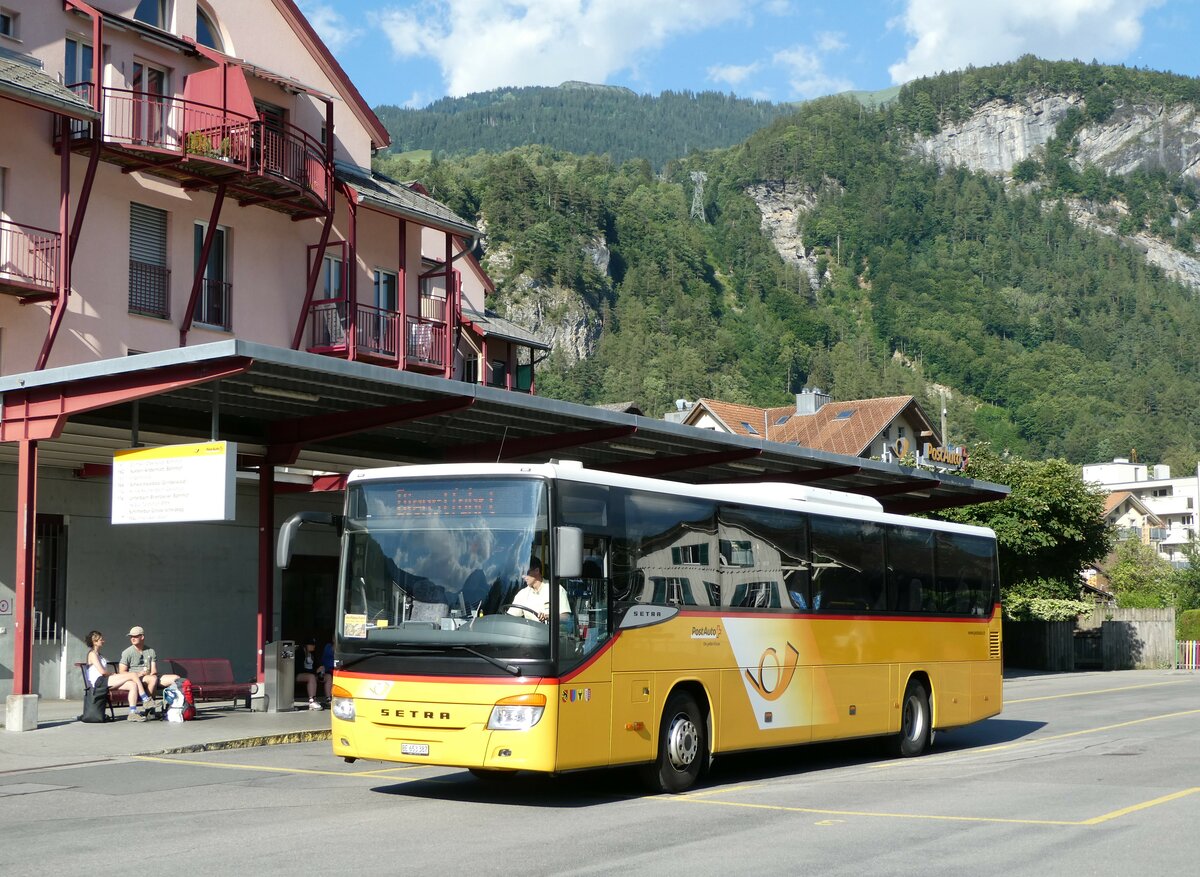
[[1187, 654], [1110, 639]]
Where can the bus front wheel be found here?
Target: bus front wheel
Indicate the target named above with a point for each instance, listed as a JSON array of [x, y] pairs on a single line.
[[682, 746], [916, 722]]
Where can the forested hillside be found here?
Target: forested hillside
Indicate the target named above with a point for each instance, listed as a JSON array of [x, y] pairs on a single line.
[[580, 118], [1052, 338]]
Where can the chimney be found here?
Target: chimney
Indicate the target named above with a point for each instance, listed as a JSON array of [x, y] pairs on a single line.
[[809, 401]]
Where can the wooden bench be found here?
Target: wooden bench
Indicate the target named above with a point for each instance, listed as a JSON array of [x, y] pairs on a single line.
[[212, 679]]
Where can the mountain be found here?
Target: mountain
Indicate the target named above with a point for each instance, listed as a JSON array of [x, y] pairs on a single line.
[[580, 117], [1019, 238]]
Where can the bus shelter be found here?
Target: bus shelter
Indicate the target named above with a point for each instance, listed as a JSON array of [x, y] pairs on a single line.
[[301, 422]]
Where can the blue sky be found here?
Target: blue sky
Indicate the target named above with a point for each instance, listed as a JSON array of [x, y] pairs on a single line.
[[411, 52]]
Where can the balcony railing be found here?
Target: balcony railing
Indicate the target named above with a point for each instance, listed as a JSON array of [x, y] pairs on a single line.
[[29, 257], [432, 307], [327, 326], [376, 332], [204, 133], [149, 289], [213, 308], [426, 342]]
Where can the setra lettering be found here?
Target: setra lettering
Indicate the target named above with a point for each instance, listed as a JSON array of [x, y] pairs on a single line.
[[413, 714]]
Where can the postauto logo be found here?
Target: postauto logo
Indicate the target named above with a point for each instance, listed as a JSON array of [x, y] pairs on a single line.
[[769, 661]]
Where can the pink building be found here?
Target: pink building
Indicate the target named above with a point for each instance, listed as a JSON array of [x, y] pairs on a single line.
[[174, 172]]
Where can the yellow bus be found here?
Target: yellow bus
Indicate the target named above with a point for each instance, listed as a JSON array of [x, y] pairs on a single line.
[[552, 618]]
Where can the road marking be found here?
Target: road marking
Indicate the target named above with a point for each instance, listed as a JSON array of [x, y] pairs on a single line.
[[1116, 814], [817, 811], [1095, 691], [374, 774], [1032, 741]]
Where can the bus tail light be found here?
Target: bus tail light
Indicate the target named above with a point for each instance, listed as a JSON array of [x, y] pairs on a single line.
[[343, 704], [517, 713]]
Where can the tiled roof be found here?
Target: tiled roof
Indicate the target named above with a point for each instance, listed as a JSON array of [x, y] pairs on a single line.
[[843, 427], [838, 427], [1115, 499], [621, 407], [738, 419], [395, 197], [495, 326], [25, 82]]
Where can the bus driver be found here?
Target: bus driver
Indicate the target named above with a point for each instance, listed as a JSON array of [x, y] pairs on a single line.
[[533, 600]]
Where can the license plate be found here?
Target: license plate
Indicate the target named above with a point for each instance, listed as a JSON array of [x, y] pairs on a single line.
[[414, 748]]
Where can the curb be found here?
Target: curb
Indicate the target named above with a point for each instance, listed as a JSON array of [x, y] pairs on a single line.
[[247, 742]]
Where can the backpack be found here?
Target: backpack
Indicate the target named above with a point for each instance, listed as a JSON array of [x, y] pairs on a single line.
[[95, 702], [189, 699], [173, 702]]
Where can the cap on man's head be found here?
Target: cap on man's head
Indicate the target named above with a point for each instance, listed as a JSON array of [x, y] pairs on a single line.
[[136, 631]]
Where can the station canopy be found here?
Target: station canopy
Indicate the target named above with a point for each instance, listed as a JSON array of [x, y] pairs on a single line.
[[326, 415]]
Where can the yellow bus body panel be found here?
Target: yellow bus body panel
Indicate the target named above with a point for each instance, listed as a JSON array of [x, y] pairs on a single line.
[[764, 681]]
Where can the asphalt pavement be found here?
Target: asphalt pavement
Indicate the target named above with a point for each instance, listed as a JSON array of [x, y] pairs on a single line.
[[61, 739]]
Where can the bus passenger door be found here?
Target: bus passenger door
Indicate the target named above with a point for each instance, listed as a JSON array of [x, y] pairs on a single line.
[[634, 722], [583, 704]]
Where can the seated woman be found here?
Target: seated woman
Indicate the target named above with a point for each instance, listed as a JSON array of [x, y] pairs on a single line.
[[128, 682]]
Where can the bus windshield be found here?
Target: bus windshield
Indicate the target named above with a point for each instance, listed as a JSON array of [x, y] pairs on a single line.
[[444, 566]]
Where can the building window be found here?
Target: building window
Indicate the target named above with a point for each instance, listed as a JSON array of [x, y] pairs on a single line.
[[386, 287], [50, 579], [332, 277], [77, 66], [207, 33], [900, 432], [887, 433], [149, 277], [8, 24], [689, 554], [154, 12], [213, 303]]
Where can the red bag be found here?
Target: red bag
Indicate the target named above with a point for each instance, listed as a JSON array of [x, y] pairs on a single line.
[[189, 699]]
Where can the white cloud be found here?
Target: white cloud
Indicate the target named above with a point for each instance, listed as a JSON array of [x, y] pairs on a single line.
[[806, 74], [831, 41], [950, 34], [484, 44], [330, 25], [733, 74]]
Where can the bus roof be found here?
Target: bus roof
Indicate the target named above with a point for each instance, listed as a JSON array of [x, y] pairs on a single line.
[[796, 497]]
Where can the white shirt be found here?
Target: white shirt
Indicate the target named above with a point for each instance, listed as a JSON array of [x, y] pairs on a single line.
[[95, 673], [537, 601]]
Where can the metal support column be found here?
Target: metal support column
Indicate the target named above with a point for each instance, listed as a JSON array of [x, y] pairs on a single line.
[[26, 552], [266, 563]]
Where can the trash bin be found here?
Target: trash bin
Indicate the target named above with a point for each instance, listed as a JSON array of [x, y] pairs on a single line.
[[279, 668]]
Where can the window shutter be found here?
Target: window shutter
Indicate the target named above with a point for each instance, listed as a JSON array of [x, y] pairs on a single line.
[[147, 235]]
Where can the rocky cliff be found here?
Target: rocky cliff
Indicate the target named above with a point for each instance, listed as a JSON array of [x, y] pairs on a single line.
[[999, 135]]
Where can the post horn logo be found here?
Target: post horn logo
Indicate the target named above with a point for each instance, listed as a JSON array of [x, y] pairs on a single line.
[[783, 672]]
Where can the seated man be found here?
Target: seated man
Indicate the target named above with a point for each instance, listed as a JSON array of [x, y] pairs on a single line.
[[143, 662], [533, 600]]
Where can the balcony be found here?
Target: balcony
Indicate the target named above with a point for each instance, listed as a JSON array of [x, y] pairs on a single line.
[[376, 331], [29, 259], [426, 347], [202, 146]]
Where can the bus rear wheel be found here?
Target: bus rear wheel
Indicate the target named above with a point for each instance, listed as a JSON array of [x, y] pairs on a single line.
[[916, 722], [682, 746]]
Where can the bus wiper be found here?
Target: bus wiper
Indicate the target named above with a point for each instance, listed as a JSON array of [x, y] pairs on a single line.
[[507, 668]]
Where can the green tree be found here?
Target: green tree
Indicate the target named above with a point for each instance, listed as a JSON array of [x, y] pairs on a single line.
[[1140, 578], [1049, 527]]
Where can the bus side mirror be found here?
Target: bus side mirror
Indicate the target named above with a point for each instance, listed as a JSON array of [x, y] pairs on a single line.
[[283, 550], [568, 552]]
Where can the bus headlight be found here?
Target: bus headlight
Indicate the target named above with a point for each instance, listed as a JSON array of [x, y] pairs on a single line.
[[518, 713], [342, 705]]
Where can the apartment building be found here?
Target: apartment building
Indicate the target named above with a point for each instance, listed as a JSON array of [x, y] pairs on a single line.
[[178, 172], [1172, 501]]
